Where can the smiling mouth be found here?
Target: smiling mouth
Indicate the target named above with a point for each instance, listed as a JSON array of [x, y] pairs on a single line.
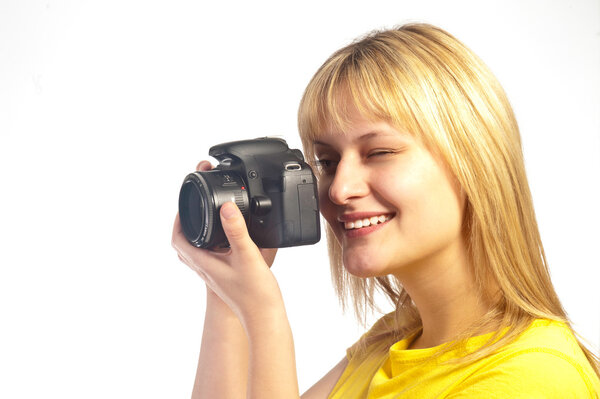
[[367, 222]]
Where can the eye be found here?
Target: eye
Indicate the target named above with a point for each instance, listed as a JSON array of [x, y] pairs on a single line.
[[379, 153], [325, 166]]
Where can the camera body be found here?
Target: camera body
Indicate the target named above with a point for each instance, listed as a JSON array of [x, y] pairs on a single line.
[[270, 183]]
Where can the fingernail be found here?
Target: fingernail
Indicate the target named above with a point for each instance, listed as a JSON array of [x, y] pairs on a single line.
[[228, 210]]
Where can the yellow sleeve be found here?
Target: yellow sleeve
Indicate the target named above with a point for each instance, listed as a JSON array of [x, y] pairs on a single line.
[[530, 374]]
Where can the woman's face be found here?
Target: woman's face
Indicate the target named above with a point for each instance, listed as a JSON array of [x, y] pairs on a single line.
[[376, 176]]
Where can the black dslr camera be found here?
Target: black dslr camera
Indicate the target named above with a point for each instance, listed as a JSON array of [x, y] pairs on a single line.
[[270, 183]]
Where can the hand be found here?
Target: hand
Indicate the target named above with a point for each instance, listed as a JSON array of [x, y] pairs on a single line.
[[240, 276]]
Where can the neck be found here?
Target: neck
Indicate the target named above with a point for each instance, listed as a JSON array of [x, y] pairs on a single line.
[[444, 291]]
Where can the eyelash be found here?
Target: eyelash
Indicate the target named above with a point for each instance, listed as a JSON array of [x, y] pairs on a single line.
[[323, 164], [381, 152]]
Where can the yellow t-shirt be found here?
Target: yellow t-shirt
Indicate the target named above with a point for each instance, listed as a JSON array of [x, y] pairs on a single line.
[[544, 362]]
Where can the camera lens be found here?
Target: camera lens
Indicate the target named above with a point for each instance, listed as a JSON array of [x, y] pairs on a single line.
[[193, 209], [201, 197]]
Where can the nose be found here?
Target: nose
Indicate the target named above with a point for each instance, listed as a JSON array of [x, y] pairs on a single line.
[[349, 182]]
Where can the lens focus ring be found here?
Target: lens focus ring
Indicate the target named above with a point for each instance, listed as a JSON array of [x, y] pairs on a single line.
[[239, 201]]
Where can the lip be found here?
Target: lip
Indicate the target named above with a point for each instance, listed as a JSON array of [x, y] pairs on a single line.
[[350, 217]]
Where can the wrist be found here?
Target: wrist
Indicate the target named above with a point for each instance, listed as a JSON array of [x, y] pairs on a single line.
[[266, 322], [215, 306]]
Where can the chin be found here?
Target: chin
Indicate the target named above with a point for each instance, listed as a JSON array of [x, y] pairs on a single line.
[[363, 268]]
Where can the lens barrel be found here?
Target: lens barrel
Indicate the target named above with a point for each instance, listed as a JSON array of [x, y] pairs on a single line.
[[201, 197]]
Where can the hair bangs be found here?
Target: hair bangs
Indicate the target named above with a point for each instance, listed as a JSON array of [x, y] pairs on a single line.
[[350, 83]]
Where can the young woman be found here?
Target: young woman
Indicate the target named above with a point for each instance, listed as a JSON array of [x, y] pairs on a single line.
[[422, 183]]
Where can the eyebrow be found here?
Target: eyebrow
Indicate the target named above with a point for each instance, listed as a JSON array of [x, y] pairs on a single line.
[[364, 137]]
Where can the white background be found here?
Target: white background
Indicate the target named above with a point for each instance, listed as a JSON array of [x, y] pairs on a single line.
[[106, 105]]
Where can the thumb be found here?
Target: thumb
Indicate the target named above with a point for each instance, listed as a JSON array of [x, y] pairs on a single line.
[[235, 228]]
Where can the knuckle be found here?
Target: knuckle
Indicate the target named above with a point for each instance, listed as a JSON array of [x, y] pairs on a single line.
[[238, 231]]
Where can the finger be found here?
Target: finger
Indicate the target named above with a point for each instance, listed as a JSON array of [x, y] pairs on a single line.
[[176, 231], [179, 242], [184, 249], [177, 239], [235, 228], [204, 165], [196, 259]]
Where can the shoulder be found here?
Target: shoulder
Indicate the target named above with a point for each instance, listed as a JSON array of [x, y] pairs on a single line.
[[545, 361], [533, 374], [369, 341], [363, 359]]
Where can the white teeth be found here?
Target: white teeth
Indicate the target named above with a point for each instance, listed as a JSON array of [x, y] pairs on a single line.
[[357, 224]]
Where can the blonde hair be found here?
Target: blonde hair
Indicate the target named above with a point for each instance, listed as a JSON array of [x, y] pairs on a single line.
[[424, 81]]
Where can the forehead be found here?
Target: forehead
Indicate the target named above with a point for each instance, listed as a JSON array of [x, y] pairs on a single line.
[[359, 129], [347, 107]]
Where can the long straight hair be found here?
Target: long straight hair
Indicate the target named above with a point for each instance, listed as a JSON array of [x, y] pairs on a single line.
[[424, 81]]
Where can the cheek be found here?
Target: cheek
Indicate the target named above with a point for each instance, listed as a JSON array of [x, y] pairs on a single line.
[[439, 205], [326, 207], [322, 188], [427, 199]]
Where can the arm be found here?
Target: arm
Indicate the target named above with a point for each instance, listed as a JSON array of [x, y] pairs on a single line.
[[272, 362], [223, 362], [224, 358], [324, 386], [242, 279]]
